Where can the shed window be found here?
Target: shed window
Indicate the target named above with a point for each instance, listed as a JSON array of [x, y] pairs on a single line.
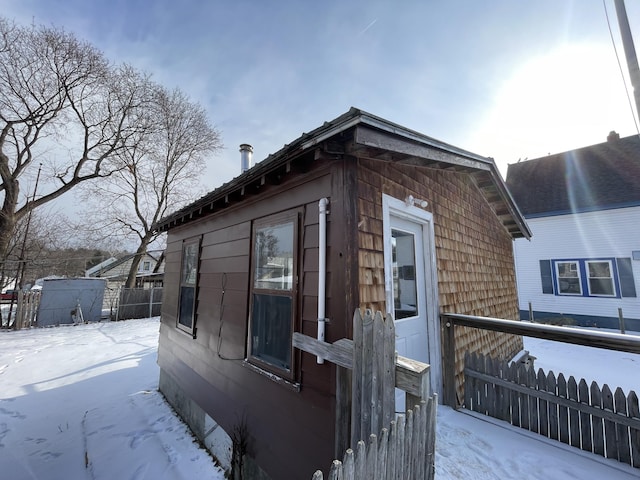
[[188, 284], [273, 296]]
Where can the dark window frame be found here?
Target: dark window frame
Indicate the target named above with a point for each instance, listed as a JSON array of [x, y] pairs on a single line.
[[188, 290], [255, 358]]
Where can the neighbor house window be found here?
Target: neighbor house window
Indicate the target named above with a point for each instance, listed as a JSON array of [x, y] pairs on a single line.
[[588, 277], [188, 283], [273, 291], [146, 266], [600, 274], [568, 278]]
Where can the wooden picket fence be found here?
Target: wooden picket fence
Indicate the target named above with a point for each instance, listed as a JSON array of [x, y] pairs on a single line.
[[23, 311], [368, 372], [587, 417], [404, 451]]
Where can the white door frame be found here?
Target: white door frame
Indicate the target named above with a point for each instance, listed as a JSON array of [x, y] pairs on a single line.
[[398, 208]]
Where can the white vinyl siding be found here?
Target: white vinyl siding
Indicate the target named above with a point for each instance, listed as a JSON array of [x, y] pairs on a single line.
[[589, 236]]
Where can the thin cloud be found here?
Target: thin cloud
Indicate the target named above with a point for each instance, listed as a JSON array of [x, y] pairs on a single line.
[[368, 27]]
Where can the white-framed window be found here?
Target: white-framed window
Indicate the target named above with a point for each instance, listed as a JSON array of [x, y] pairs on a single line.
[[600, 278], [568, 275], [589, 277]]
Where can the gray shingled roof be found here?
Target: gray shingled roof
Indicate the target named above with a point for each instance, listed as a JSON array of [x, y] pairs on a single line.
[[407, 146], [599, 177]]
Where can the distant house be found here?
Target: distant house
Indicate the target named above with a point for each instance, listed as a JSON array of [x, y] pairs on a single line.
[[412, 226], [583, 207], [115, 271], [118, 269], [100, 266]]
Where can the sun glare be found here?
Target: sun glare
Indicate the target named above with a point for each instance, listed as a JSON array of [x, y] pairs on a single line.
[[569, 98]]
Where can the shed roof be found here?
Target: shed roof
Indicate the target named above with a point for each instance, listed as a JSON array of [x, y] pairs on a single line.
[[374, 137], [598, 177]]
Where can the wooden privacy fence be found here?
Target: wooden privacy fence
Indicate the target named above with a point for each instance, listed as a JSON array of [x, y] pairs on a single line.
[[586, 417], [368, 372], [139, 303]]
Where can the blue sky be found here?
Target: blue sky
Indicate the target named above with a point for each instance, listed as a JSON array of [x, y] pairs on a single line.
[[506, 79]]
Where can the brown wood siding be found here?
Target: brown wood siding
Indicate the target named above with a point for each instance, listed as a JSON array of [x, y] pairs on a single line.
[[280, 419], [474, 255]]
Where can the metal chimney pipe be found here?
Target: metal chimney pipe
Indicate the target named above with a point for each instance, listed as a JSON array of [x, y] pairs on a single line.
[[246, 153]]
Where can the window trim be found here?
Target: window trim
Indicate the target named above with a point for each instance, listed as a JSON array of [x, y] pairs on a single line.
[[556, 264], [611, 277], [290, 216], [620, 270], [194, 314]]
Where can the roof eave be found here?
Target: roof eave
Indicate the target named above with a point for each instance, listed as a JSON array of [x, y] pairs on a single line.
[[445, 154]]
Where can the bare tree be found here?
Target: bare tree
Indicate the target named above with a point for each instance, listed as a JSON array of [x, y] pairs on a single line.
[[48, 232], [162, 172], [64, 105]]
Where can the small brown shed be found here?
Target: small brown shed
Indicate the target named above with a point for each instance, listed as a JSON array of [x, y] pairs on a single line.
[[360, 212]]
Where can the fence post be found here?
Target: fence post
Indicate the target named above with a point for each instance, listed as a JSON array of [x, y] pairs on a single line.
[[151, 302], [17, 323], [530, 312], [119, 300], [449, 367], [621, 318]]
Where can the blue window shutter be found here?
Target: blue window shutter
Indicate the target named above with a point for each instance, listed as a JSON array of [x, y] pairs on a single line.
[[625, 274], [545, 276]]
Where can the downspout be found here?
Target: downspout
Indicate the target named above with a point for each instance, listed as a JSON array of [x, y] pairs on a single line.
[[322, 269]]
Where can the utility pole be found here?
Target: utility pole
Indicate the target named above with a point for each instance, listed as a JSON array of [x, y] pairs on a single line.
[[629, 51]]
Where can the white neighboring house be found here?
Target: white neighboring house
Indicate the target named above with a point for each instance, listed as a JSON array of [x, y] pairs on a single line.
[[583, 208], [115, 271]]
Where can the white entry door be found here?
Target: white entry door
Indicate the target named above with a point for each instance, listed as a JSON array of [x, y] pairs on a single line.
[[411, 285], [408, 286]]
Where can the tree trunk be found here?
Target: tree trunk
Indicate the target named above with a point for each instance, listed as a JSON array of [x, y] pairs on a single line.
[[8, 217], [135, 263]]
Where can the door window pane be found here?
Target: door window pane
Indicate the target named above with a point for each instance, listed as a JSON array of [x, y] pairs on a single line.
[[403, 257]]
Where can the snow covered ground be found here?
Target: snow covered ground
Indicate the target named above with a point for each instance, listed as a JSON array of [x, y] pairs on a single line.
[[81, 402]]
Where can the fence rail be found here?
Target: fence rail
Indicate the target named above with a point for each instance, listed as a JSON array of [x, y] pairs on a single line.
[[590, 338], [368, 371], [587, 417]]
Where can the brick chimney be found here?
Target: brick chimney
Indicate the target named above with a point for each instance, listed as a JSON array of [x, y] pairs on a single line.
[[613, 136]]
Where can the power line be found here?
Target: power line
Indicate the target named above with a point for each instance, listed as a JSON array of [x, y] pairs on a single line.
[[626, 89]]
